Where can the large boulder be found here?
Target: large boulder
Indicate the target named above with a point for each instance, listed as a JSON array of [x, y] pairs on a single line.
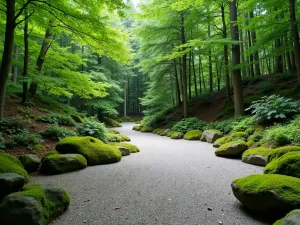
[[11, 164], [222, 141], [193, 135], [132, 148], [34, 205], [292, 218], [211, 136], [232, 149], [62, 163], [256, 156], [10, 182], [30, 162], [268, 194], [177, 135], [278, 152], [94, 150], [288, 164]]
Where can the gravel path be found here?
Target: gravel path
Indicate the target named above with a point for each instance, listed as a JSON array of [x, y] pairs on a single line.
[[170, 182]]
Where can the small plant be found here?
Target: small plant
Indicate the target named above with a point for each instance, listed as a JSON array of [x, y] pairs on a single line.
[[25, 111], [56, 118], [92, 128], [273, 108], [14, 125], [186, 125], [28, 104], [23, 139], [2, 145], [56, 133], [226, 126], [245, 125]]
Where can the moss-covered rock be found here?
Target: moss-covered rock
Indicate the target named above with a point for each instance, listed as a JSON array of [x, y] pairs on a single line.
[[111, 122], [94, 150], [250, 142], [77, 118], [169, 134], [30, 162], [9, 183], [268, 193], [288, 164], [146, 129], [35, 205], [155, 131], [278, 152], [131, 147], [160, 131], [232, 149], [165, 132], [211, 136], [177, 135], [193, 135], [292, 218], [222, 141], [124, 151], [124, 137], [11, 164], [137, 128], [256, 156], [113, 131], [62, 163], [243, 136]]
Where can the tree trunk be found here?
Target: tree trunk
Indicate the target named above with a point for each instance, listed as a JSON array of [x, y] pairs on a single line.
[[199, 75], [255, 55], [125, 100], [14, 69], [279, 57], [194, 71], [41, 59], [178, 100], [251, 58], [236, 72], [190, 76], [184, 69], [295, 36], [26, 59], [7, 52], [211, 89]]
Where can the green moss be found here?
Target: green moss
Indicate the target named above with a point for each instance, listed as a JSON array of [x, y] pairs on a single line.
[[222, 140], [240, 135], [161, 131], [50, 153], [284, 186], [177, 135], [111, 122], [278, 222], [146, 129], [250, 142], [11, 164], [170, 133], [112, 131], [155, 131], [77, 118], [257, 151], [113, 137], [124, 137], [228, 144], [137, 128], [38, 147], [288, 164], [132, 148], [278, 152], [193, 135], [215, 131], [94, 150]]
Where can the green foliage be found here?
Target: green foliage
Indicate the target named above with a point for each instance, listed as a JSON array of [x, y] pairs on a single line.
[[186, 125], [56, 118], [278, 152], [92, 128], [154, 120], [111, 122], [55, 132], [225, 126], [24, 139], [246, 125], [239, 136], [2, 141], [274, 108], [14, 125]]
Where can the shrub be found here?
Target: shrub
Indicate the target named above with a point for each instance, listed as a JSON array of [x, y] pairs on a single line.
[[274, 108], [239, 136], [14, 125], [92, 128], [226, 126], [56, 118], [246, 125], [186, 125], [126, 119], [23, 139], [56, 133]]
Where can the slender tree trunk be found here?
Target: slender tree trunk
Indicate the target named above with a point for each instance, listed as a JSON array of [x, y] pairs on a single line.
[[202, 73], [199, 75], [236, 73], [287, 54], [279, 57], [194, 71], [178, 100], [244, 70], [190, 76], [295, 36], [251, 58], [14, 69], [255, 55], [41, 58], [210, 66], [184, 69], [26, 59], [7, 52], [125, 100]]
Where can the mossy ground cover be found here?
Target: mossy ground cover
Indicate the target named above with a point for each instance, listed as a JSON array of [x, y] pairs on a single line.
[[146, 129], [278, 152], [193, 135], [132, 148], [176, 135], [257, 151]]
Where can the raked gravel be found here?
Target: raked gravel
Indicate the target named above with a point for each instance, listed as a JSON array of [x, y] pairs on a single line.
[[170, 182]]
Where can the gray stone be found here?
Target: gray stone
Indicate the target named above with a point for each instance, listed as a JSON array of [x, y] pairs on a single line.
[[10, 182], [258, 160], [177, 136], [293, 218], [30, 162], [232, 149], [124, 151], [211, 136], [165, 132]]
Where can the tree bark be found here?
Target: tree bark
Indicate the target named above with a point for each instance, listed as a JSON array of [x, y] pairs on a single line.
[[210, 67], [236, 73], [255, 55], [178, 100], [125, 100], [279, 57], [14, 69], [7, 52], [194, 71], [190, 76], [26, 59]]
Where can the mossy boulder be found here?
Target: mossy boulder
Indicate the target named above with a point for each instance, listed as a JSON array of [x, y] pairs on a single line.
[[292, 218], [146, 129], [256, 156], [62, 163], [137, 127], [124, 151], [114, 131], [177, 135], [132, 148], [165, 132], [30, 162], [250, 142], [94, 150], [124, 137], [222, 141], [111, 122], [113, 137], [11, 164], [232, 149], [288, 164], [211, 136], [193, 135], [77, 118], [278, 152], [155, 131], [10, 182], [269, 194], [35, 205], [169, 134], [239, 136]]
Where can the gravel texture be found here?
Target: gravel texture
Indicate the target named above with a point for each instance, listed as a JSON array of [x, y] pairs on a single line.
[[170, 182]]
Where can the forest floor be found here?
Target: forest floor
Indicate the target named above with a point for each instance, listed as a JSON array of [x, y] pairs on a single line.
[[172, 182]]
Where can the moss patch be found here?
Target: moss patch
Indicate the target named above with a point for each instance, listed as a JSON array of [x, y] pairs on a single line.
[[193, 135], [114, 131], [177, 135], [170, 133], [239, 136], [94, 150], [137, 128], [278, 152], [222, 141], [228, 145], [124, 137], [146, 129], [257, 151], [132, 148], [111, 122]]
